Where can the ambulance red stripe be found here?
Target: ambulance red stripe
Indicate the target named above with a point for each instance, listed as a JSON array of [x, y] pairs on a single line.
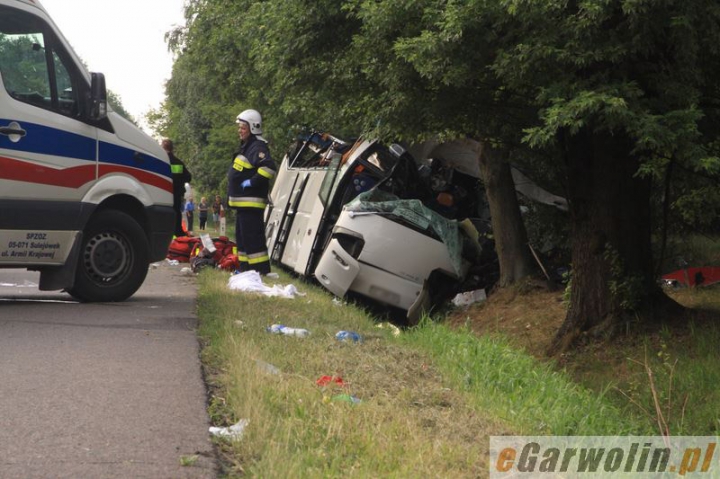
[[73, 177]]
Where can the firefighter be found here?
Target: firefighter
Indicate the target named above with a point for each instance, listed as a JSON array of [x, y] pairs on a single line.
[[180, 176], [249, 179]]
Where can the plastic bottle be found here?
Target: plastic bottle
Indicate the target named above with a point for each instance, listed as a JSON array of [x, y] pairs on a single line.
[[348, 336], [282, 329]]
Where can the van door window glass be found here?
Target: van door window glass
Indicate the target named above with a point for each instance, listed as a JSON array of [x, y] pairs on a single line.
[[32, 70], [329, 184]]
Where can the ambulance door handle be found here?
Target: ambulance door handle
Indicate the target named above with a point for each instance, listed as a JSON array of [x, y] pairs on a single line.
[[137, 156], [13, 131], [9, 130]]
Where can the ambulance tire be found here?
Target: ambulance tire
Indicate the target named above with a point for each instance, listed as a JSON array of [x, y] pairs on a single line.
[[113, 261]]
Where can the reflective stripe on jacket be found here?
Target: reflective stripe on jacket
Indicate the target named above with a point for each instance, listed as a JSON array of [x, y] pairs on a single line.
[[252, 162]]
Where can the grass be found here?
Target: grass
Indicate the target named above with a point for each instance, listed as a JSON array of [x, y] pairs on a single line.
[[682, 362], [429, 398]]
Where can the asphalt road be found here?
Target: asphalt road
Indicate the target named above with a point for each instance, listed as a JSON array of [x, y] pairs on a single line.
[[109, 390]]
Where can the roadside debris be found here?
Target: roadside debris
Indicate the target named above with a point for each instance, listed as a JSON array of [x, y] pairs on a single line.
[[347, 398], [395, 330], [251, 282], [348, 337], [267, 367], [469, 297], [25, 284], [331, 380], [286, 331], [234, 432]]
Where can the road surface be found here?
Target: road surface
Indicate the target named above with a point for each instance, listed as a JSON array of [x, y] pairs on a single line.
[[108, 390]]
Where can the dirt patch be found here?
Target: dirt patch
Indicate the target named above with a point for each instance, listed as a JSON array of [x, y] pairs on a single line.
[[528, 315]]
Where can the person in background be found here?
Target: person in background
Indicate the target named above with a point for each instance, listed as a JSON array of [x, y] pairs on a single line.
[[249, 179], [216, 207], [180, 175], [190, 214], [203, 212]]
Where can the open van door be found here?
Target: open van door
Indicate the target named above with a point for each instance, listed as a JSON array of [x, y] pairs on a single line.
[[337, 269]]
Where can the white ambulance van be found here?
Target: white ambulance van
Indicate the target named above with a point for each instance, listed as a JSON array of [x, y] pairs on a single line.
[[85, 195]]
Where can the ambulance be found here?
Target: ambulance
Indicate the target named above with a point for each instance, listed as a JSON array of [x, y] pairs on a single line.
[[85, 195]]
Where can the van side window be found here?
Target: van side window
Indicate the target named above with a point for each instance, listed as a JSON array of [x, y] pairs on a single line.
[[33, 65]]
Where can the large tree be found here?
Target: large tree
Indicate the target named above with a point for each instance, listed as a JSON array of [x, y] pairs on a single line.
[[622, 89]]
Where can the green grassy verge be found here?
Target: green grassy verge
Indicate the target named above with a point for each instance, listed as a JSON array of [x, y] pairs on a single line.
[[667, 378], [429, 397]]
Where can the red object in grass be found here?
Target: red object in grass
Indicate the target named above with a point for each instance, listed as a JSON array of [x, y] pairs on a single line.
[[325, 380], [695, 276]]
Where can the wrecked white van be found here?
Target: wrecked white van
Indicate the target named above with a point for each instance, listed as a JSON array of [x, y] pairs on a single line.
[[367, 219]]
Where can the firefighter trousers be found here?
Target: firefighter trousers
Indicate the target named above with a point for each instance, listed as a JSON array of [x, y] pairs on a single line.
[[250, 239]]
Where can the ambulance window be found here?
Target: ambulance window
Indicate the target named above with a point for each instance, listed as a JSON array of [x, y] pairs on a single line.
[[33, 70]]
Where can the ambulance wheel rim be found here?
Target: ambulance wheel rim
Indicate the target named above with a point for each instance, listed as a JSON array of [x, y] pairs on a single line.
[[106, 257]]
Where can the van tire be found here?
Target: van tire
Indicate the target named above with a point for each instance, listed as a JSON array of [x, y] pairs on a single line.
[[113, 260]]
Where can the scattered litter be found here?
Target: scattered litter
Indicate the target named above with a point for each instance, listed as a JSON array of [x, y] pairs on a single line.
[[251, 282], [282, 329], [154, 266], [234, 432], [272, 276], [469, 297], [348, 337], [267, 367], [395, 330], [334, 380], [338, 302], [172, 262], [347, 398], [239, 324], [187, 271]]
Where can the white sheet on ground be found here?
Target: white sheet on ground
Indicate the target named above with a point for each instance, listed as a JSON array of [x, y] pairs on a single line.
[[251, 282]]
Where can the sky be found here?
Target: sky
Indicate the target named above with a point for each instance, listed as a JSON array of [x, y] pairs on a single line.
[[125, 40]]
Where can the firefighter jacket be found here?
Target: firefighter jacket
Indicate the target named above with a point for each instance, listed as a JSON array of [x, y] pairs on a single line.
[[252, 162], [180, 176]]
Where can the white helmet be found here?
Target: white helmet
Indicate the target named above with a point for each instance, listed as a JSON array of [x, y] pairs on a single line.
[[252, 118]]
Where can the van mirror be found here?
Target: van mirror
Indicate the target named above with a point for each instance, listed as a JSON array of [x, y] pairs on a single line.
[[98, 97]]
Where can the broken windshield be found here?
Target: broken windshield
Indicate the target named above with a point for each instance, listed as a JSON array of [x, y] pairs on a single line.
[[414, 214]]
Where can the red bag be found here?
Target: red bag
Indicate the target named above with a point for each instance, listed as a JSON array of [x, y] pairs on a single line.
[[182, 247], [229, 262], [223, 247]]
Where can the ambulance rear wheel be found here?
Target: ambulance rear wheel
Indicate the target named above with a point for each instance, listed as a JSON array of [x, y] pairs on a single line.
[[113, 261]]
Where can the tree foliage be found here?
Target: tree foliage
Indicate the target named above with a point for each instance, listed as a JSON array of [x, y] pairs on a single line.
[[614, 101]]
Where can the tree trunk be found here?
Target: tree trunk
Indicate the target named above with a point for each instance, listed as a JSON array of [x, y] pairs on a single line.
[[511, 241], [612, 266]]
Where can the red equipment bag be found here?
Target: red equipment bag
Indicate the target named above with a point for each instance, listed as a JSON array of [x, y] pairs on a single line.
[[223, 247], [229, 263], [182, 247]]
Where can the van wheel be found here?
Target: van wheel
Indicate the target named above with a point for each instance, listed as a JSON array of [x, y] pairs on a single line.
[[113, 260]]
